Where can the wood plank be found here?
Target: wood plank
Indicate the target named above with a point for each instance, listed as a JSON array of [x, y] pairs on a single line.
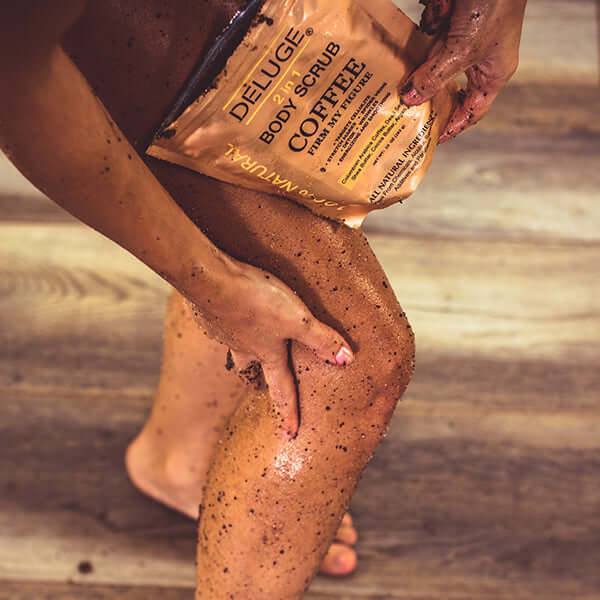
[[528, 170], [496, 298], [30, 206], [71, 591], [503, 299], [545, 110], [489, 184], [483, 184], [444, 504], [559, 42], [24, 590], [486, 487]]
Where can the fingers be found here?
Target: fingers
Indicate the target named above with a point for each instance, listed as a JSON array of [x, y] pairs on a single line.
[[282, 389], [474, 103], [443, 65], [436, 16], [325, 342], [279, 379], [248, 368]]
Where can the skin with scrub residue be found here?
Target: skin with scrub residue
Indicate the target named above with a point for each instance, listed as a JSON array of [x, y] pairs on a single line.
[[285, 348], [478, 37]]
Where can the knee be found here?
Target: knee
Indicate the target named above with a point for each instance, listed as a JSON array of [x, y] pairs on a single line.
[[356, 404], [388, 364]]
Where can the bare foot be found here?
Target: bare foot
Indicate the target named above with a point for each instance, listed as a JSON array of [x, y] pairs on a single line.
[[170, 478]]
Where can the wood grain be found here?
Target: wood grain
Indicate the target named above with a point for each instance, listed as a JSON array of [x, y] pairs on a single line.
[[492, 297], [487, 486], [19, 590], [488, 184], [460, 497]]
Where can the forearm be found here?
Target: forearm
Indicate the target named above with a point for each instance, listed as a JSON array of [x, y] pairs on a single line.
[[63, 140]]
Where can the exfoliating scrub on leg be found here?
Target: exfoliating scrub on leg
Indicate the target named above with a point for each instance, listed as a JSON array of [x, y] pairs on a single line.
[[307, 105]]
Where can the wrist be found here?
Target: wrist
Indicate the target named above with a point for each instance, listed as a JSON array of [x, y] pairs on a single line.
[[206, 276]]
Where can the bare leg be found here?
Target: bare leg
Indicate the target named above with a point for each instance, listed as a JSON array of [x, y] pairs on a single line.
[[196, 396], [272, 506]]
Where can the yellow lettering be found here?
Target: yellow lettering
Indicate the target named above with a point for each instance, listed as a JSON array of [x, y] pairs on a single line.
[[259, 167], [248, 164], [288, 187]]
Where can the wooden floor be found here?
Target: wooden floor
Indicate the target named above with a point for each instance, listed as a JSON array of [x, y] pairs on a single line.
[[488, 485]]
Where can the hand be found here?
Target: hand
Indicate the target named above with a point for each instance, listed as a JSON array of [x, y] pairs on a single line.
[[256, 315], [479, 37]]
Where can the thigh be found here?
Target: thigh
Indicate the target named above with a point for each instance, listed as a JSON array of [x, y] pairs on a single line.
[[330, 265]]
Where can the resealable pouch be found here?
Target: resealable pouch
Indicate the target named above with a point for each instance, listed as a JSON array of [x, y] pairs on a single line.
[[307, 106]]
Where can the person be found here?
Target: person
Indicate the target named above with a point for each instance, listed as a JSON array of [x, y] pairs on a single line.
[[310, 318]]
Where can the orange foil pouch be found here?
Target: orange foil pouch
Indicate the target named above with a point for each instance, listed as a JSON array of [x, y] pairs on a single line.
[[307, 106]]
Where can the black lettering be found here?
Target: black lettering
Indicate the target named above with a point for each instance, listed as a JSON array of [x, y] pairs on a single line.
[[239, 111], [276, 69], [341, 82], [301, 90], [294, 37], [283, 52], [354, 68], [293, 146], [330, 96], [275, 126], [309, 80], [332, 48], [309, 127], [266, 137], [316, 69], [251, 95], [262, 86], [319, 110]]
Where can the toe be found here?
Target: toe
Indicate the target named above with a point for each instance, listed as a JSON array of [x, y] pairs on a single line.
[[339, 560], [347, 533]]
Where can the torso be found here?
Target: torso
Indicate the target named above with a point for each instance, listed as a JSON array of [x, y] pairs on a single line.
[[137, 54]]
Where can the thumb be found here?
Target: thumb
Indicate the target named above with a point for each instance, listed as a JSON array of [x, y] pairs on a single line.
[[443, 65], [325, 342], [282, 389]]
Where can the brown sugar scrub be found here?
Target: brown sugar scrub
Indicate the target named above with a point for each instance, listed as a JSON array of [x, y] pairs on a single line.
[[308, 106]]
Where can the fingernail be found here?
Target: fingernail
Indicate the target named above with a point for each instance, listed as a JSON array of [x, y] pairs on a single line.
[[344, 356], [412, 96], [447, 135]]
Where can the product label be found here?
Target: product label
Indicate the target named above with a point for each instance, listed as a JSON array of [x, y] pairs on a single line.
[[308, 107]]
